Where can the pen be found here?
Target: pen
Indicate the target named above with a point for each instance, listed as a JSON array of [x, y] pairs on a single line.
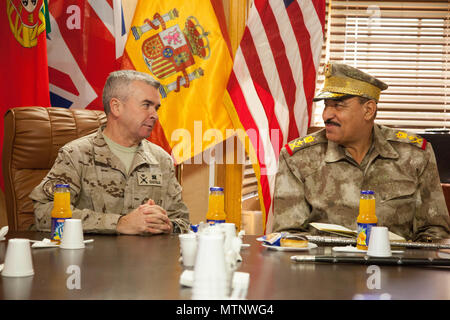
[[352, 241], [374, 260]]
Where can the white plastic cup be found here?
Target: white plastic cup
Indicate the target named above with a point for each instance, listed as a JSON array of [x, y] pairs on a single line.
[[379, 244], [188, 248], [18, 262], [230, 233], [210, 276], [229, 228], [72, 237], [241, 281], [230, 253]]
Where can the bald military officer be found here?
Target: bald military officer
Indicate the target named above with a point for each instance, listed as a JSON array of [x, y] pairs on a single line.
[[320, 176], [119, 181]]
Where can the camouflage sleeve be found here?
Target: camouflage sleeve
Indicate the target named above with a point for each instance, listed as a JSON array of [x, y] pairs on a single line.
[[291, 211], [64, 171], [432, 220], [176, 209]]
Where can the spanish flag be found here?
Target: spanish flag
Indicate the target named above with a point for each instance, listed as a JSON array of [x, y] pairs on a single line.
[[185, 46]]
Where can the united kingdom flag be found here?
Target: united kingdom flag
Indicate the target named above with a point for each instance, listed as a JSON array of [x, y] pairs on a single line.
[[85, 44]]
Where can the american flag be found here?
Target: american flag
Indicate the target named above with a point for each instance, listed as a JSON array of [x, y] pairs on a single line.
[[273, 80]]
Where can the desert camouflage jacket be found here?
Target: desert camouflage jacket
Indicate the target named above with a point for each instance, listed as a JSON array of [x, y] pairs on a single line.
[[101, 190], [318, 181]]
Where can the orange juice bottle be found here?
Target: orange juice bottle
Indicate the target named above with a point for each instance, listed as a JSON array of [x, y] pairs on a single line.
[[61, 210], [216, 206], [366, 218]]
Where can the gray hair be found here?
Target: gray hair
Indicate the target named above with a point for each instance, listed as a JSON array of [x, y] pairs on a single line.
[[117, 84]]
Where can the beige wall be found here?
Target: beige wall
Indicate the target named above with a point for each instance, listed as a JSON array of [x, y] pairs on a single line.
[[195, 182]]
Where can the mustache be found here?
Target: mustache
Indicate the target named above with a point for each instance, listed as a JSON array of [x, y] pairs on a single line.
[[328, 121]]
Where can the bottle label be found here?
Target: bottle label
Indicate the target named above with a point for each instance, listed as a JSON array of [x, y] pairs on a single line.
[[362, 240], [213, 222], [57, 228]]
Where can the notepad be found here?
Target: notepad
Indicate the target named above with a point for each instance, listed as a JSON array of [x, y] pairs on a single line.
[[346, 232]]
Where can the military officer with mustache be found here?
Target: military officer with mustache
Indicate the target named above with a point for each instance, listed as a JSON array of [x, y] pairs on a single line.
[[119, 181], [320, 176]]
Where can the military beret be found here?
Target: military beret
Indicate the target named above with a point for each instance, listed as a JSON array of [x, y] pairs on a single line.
[[342, 80]]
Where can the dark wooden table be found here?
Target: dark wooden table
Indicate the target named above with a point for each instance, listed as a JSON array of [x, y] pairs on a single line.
[[141, 268]]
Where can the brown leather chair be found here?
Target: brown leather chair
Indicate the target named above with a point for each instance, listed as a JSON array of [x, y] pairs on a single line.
[[446, 190], [33, 136]]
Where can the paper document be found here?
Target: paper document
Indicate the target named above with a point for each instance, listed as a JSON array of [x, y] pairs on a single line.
[[343, 231]]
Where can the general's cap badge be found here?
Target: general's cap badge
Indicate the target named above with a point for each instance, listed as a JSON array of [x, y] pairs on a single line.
[[172, 50], [26, 20], [327, 69]]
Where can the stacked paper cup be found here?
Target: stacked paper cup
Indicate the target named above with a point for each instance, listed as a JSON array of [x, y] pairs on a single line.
[[229, 231], [210, 274]]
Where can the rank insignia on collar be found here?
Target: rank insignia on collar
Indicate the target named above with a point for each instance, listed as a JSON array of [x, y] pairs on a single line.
[[299, 143], [411, 138]]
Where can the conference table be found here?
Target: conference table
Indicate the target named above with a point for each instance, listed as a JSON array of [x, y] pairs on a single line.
[[148, 268]]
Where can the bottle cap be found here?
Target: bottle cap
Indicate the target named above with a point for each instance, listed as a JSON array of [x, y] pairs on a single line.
[[61, 186], [367, 192], [215, 189]]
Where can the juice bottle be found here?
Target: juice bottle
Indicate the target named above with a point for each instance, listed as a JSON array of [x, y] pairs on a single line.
[[216, 206], [61, 210], [366, 218]]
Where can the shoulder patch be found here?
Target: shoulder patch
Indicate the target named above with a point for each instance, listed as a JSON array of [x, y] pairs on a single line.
[[303, 142], [407, 137]]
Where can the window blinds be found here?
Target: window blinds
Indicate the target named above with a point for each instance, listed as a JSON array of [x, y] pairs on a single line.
[[403, 43]]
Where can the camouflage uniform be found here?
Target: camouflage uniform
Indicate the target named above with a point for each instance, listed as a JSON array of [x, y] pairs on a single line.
[[318, 181], [101, 190]]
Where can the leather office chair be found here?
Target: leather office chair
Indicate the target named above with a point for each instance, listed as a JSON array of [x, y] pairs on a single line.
[[440, 140], [33, 136]]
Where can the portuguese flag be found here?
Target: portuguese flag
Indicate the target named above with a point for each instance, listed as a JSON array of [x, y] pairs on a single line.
[[23, 58]]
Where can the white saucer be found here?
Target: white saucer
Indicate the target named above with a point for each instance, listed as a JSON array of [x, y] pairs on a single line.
[[278, 248]]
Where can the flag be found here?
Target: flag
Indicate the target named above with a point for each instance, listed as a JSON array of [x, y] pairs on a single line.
[[271, 86], [23, 59], [185, 46], [85, 44]]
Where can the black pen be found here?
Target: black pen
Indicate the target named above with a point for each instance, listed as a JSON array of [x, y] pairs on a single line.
[[374, 260]]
